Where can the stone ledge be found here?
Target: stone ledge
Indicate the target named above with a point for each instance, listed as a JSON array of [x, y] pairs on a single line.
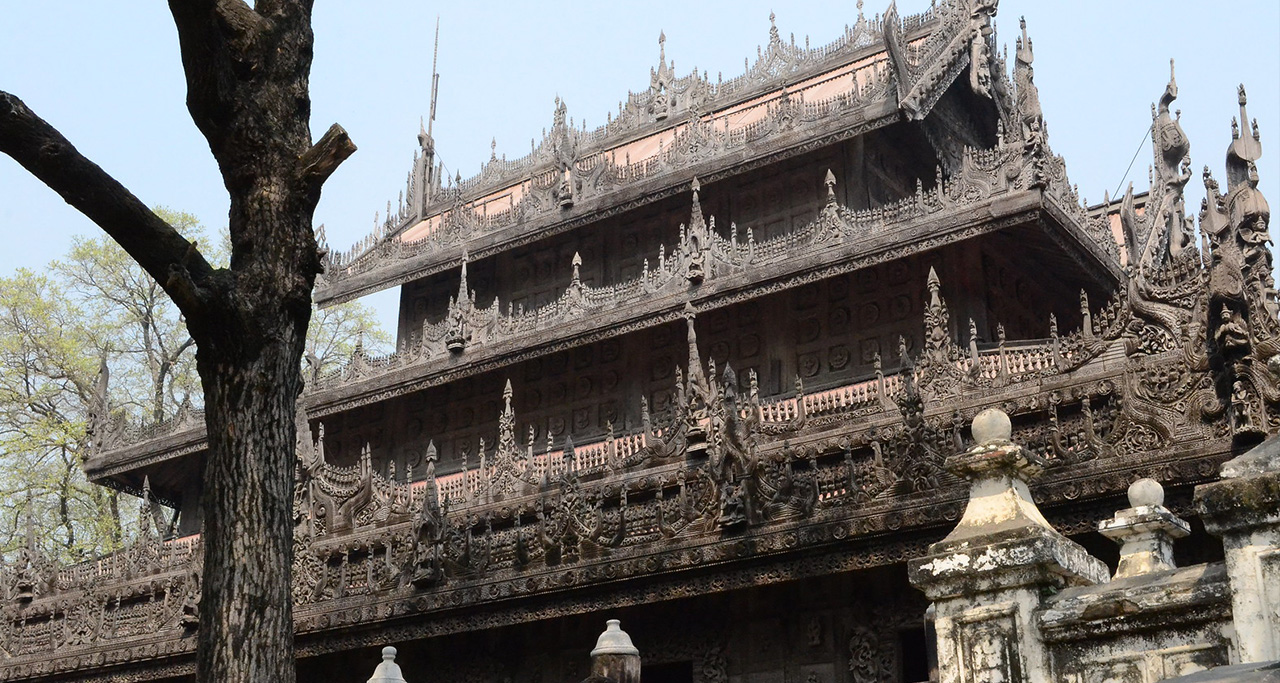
[[1156, 601], [1240, 505], [1027, 556]]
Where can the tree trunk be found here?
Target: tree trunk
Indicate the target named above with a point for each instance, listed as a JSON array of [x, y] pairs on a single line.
[[247, 70], [246, 617]]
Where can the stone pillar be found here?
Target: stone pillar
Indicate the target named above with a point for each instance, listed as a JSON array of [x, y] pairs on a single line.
[[1145, 531], [1244, 509], [615, 657], [987, 577], [388, 671]]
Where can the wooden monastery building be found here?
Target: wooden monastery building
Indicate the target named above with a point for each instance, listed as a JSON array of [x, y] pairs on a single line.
[[718, 369]]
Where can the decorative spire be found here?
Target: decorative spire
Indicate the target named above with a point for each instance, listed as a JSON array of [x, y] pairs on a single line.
[[695, 361], [1086, 316], [974, 363], [696, 213], [696, 240], [831, 187], [1245, 148], [99, 408], [31, 525], [435, 79], [1166, 233], [1028, 96], [937, 322], [1024, 53], [570, 457], [463, 294]]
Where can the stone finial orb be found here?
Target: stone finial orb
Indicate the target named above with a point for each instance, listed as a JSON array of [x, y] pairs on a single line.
[[388, 671], [992, 426], [1146, 491], [614, 641]]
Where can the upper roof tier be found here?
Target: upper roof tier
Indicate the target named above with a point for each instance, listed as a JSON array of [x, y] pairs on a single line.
[[878, 72]]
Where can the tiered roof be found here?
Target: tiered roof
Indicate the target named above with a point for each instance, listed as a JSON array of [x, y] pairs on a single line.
[[728, 489]]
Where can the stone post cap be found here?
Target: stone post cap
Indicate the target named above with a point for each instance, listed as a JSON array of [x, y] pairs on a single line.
[[1144, 492], [995, 453], [388, 671], [614, 641], [992, 426], [1146, 513]]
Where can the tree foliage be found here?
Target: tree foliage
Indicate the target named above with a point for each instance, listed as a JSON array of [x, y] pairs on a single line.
[[97, 305]]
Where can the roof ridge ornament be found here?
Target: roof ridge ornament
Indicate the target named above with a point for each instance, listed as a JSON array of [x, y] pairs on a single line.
[[1244, 149], [697, 240], [424, 182]]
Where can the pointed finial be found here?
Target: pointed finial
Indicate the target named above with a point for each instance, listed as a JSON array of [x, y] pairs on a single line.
[[831, 184], [31, 524], [1244, 149], [695, 185], [934, 283], [435, 83], [506, 393], [1170, 91], [387, 671]]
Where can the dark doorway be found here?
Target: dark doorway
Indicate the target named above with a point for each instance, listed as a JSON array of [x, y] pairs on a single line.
[[915, 656], [680, 672]]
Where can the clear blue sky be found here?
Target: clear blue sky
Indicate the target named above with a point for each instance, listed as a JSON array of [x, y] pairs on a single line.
[[108, 76]]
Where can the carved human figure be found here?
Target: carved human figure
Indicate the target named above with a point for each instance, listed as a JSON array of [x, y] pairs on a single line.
[[564, 191], [1242, 407], [733, 507], [660, 105], [694, 256], [1231, 334]]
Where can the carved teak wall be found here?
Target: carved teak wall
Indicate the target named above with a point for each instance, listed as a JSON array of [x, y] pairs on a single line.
[[709, 368]]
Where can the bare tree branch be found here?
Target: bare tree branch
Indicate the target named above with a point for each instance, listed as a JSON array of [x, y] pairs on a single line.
[[324, 157], [153, 243]]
